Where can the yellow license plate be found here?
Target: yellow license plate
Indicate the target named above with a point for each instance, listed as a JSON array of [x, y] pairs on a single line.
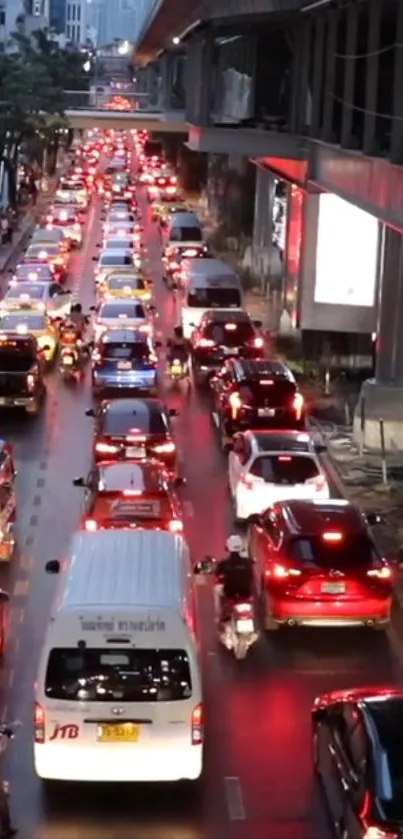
[[68, 361], [124, 732]]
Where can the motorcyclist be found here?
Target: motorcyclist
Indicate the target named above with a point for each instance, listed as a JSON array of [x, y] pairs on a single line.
[[234, 576], [178, 347]]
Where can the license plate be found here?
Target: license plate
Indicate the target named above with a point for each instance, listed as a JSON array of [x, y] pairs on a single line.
[[244, 627], [176, 369], [135, 451], [230, 351], [333, 588], [126, 732], [68, 360], [266, 412], [124, 365]]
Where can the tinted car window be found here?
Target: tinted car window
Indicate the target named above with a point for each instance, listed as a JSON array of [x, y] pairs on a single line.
[[118, 675], [117, 244], [388, 719], [33, 323], [23, 272], [135, 310], [230, 334], [117, 283], [284, 469], [16, 360], [149, 422], [186, 234], [214, 298], [278, 392], [129, 352], [34, 292], [352, 552], [115, 259]]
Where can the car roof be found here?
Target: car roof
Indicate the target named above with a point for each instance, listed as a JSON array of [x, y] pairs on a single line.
[[251, 369], [225, 315], [283, 441], [309, 518], [133, 407], [134, 476], [125, 336]]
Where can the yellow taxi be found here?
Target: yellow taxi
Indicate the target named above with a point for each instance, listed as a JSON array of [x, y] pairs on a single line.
[[171, 207], [33, 323], [133, 285]]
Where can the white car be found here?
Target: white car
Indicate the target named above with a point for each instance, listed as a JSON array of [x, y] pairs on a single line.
[[51, 298], [269, 466], [111, 260], [121, 314]]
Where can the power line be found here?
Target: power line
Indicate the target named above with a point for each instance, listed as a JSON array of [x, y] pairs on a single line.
[[368, 54], [353, 107]]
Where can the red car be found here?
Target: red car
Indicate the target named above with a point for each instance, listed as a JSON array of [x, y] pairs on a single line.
[[131, 495], [134, 429], [317, 564]]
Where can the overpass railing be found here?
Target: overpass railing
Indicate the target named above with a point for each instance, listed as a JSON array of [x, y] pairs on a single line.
[[92, 99]]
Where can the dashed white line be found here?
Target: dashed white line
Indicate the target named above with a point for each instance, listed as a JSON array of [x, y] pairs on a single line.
[[234, 799]]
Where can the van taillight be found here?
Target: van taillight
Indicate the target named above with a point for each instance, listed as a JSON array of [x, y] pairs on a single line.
[[39, 723], [298, 404], [197, 725]]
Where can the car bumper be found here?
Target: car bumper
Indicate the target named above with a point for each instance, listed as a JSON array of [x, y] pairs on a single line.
[[330, 612], [17, 401], [106, 387], [111, 764]]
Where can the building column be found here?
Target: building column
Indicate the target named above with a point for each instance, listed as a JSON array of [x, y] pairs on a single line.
[[207, 75], [372, 75], [396, 155], [317, 85], [330, 75], [382, 397], [349, 76]]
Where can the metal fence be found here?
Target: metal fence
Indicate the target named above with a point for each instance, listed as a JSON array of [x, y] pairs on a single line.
[[94, 100]]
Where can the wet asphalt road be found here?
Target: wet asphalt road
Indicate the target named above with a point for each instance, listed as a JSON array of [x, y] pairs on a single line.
[[258, 780]]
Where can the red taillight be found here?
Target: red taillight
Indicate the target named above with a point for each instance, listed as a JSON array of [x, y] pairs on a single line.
[[243, 609], [131, 493], [298, 404], [280, 572], [235, 402], [197, 725], [105, 448], [258, 343], [91, 525], [175, 526], [165, 448], [384, 573], [39, 723], [206, 342]]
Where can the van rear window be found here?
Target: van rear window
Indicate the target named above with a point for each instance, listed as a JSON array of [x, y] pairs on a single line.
[[214, 298], [117, 674]]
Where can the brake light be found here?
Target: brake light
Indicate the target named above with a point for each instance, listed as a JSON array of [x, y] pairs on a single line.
[[175, 526], [332, 536], [280, 572], [266, 382], [247, 481], [205, 342], [197, 725], [30, 381], [384, 573], [230, 327], [130, 493], [258, 343], [285, 458], [91, 525], [39, 723], [165, 448], [298, 404], [235, 402], [106, 448]]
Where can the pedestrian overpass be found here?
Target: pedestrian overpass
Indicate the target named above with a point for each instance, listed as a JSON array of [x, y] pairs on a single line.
[[88, 109]]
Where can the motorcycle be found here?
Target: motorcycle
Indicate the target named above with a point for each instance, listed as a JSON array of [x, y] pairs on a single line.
[[237, 630], [178, 373], [70, 361]]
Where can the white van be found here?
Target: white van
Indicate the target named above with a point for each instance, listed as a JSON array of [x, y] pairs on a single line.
[[118, 694], [206, 284], [183, 231]]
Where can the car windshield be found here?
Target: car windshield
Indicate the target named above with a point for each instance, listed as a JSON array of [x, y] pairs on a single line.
[[16, 357], [72, 186], [186, 234], [32, 323], [24, 272], [39, 251], [126, 352], [351, 552], [284, 469], [214, 298], [117, 674], [115, 259], [388, 720], [118, 244], [125, 310], [34, 292], [119, 283], [231, 334], [147, 422]]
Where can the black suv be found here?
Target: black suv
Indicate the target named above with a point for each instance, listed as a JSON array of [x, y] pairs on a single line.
[[255, 394], [21, 372], [222, 335]]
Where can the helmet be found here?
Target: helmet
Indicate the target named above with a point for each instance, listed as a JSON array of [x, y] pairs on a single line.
[[178, 332], [77, 308], [234, 544]]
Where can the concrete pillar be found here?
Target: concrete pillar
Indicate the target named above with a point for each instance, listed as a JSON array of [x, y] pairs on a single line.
[[372, 74], [382, 397], [207, 75], [396, 155], [317, 86], [349, 75], [330, 75]]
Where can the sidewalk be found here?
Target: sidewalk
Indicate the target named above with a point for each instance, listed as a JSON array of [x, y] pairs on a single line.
[[27, 222]]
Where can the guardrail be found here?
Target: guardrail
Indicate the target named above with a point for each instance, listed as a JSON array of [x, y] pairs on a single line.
[[94, 100]]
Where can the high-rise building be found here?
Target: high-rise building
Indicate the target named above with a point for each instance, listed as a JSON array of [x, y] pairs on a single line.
[[117, 21], [57, 15], [76, 21]]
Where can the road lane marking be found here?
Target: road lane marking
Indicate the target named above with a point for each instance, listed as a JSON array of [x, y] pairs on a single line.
[[26, 562], [21, 588], [11, 678], [234, 799]]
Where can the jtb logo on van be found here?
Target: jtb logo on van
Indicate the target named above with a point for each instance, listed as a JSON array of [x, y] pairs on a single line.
[[65, 732]]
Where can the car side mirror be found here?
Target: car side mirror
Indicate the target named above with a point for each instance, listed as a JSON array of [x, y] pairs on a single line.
[[179, 482], [173, 412], [258, 324], [92, 308], [320, 448], [158, 344], [206, 566], [374, 519], [52, 566], [90, 412], [78, 482]]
